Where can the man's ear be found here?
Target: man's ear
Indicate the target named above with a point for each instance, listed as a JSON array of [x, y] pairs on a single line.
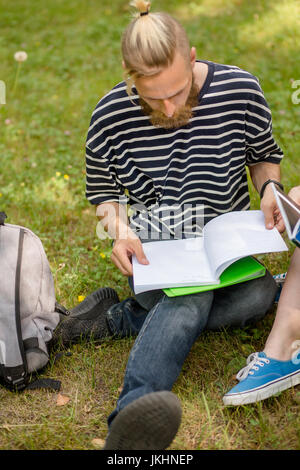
[[193, 56]]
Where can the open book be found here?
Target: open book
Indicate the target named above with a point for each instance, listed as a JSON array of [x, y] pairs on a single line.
[[202, 260], [290, 212]]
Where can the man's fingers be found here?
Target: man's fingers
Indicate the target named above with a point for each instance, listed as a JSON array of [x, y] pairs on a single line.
[[272, 217], [139, 253], [124, 266], [269, 219], [122, 253], [269, 207], [279, 222]]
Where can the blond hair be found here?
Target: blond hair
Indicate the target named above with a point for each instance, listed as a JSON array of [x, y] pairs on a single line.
[[150, 42]]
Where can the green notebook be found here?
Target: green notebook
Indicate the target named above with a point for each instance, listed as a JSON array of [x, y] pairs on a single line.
[[242, 270]]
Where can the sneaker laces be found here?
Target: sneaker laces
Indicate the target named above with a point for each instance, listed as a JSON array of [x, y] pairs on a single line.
[[279, 278], [253, 362]]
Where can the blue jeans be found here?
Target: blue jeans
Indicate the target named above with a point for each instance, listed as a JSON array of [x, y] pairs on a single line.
[[167, 327]]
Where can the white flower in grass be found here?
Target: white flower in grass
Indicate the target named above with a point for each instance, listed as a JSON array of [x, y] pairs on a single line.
[[20, 56]]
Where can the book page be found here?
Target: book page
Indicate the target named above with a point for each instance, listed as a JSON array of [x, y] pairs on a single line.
[[234, 235], [172, 263]]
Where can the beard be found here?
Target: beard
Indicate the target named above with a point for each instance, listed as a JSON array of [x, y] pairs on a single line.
[[181, 116]]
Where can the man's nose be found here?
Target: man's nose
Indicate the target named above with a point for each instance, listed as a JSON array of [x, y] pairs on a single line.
[[168, 108]]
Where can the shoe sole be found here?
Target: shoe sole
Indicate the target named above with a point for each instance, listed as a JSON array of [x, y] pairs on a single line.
[[263, 392], [149, 423], [94, 301]]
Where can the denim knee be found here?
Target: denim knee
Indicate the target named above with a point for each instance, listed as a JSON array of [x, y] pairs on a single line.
[[148, 299], [188, 314], [244, 303], [126, 318]]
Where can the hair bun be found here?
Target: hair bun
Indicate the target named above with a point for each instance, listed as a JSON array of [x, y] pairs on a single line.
[[142, 6]]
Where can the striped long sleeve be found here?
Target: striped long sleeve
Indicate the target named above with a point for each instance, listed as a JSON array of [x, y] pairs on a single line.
[[176, 180]]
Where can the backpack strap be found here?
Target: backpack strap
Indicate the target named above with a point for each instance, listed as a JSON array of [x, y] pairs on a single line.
[[22, 380], [50, 384], [61, 309]]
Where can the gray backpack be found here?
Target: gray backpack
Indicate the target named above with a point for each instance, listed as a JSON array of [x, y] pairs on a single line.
[[28, 309]]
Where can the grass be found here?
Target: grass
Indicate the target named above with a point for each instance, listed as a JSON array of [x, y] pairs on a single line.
[[73, 59]]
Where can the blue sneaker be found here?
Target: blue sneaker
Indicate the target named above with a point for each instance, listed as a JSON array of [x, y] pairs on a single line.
[[263, 377]]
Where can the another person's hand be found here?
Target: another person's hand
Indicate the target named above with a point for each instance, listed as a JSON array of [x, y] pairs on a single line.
[[122, 253], [295, 194], [271, 212]]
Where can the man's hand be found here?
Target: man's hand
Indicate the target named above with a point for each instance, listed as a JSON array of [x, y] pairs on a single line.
[[123, 251], [271, 212], [260, 173], [113, 217]]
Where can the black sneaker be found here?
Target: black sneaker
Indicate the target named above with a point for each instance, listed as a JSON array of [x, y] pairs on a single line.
[[148, 423], [88, 319]]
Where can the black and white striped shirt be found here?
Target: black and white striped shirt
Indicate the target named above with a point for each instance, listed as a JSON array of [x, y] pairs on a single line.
[[176, 180]]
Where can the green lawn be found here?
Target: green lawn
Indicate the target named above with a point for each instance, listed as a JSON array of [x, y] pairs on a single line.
[[74, 58]]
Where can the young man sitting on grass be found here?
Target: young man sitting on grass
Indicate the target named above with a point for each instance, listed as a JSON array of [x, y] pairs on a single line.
[[174, 141]]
